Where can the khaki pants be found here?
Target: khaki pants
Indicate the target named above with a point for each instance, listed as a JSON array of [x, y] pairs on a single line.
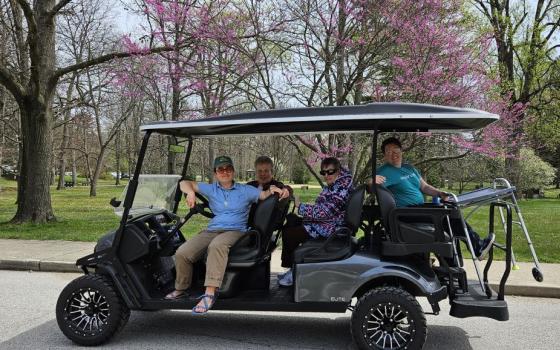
[[217, 243]]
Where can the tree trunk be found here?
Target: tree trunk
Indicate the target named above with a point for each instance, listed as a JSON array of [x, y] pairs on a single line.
[[34, 99], [3, 143], [175, 110], [170, 156], [118, 157], [202, 166], [61, 155], [61, 164], [34, 203], [97, 172], [210, 160], [19, 168], [65, 139], [88, 174], [74, 171], [513, 166]]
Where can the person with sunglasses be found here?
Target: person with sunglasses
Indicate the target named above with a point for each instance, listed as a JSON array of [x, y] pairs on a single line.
[[320, 219], [230, 202]]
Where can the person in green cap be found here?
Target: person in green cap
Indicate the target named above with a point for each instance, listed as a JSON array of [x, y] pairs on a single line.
[[230, 202]]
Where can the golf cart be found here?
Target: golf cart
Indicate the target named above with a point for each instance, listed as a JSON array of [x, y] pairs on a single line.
[[376, 277]]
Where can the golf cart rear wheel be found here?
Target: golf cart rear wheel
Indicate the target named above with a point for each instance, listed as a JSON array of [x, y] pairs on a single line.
[[89, 311], [388, 318]]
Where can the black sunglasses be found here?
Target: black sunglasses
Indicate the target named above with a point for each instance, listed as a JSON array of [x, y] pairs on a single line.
[[328, 172]]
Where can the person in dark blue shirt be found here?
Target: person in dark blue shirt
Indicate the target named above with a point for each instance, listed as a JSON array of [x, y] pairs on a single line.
[[408, 188]]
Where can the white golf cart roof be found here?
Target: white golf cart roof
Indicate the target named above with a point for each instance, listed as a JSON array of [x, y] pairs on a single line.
[[383, 117]]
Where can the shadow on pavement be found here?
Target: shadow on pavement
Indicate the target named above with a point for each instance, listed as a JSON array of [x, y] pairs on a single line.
[[231, 331]]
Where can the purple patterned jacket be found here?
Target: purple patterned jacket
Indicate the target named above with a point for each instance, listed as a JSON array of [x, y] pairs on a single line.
[[327, 214]]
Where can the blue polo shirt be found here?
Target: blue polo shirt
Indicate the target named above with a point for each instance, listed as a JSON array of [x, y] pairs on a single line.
[[230, 206], [404, 183]]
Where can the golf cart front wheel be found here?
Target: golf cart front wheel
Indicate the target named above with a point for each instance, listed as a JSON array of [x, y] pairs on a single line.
[[89, 311], [388, 318]]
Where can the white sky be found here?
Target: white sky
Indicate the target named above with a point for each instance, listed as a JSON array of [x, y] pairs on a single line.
[[127, 21]]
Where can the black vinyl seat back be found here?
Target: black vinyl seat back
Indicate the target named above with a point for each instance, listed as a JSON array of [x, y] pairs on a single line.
[[353, 213], [341, 244], [412, 229], [253, 245], [386, 204], [264, 219], [248, 263]]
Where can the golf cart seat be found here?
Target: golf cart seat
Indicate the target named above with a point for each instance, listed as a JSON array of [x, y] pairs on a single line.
[[342, 243], [257, 242], [413, 230]]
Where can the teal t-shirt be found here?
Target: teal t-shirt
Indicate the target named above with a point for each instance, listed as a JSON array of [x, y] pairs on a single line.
[[404, 183]]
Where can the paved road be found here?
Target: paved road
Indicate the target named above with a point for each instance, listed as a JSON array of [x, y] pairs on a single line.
[[27, 321]]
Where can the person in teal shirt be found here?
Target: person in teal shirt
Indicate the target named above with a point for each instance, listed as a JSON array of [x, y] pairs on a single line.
[[404, 182], [408, 188]]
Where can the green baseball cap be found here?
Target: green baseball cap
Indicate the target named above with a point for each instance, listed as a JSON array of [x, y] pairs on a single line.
[[222, 161]]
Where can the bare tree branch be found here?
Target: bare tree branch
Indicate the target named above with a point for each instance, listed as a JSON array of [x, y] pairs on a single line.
[[441, 159], [58, 7], [29, 16], [302, 155], [11, 83], [101, 59]]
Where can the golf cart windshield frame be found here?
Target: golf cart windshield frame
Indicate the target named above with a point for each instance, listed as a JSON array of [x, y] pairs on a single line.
[[371, 118]]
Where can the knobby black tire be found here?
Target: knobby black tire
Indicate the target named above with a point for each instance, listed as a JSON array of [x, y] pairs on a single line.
[[117, 313], [388, 296]]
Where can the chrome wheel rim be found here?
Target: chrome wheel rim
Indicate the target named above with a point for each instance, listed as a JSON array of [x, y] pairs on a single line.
[[388, 326], [87, 311]]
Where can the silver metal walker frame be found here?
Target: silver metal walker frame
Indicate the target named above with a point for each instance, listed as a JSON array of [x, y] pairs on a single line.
[[500, 192]]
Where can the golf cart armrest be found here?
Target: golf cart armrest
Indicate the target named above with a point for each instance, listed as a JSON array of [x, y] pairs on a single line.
[[435, 216]]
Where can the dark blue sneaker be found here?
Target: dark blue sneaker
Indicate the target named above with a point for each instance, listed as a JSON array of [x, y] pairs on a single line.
[[485, 246]]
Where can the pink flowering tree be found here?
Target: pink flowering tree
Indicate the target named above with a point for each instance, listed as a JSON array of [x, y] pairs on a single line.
[[335, 47], [199, 76], [212, 60], [31, 75], [440, 60]]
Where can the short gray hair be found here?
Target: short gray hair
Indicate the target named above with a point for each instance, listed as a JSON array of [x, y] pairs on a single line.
[[264, 160]]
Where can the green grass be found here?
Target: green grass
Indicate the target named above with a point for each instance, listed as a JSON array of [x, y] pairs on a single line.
[[543, 222], [84, 218], [79, 216]]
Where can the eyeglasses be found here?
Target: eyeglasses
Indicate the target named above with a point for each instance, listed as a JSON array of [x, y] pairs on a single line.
[[222, 170], [328, 172], [393, 151]]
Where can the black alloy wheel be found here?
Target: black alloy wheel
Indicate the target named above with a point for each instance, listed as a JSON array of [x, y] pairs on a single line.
[[89, 311], [388, 318]]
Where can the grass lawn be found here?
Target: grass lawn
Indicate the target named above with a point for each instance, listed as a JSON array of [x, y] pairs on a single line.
[[83, 218], [79, 216]]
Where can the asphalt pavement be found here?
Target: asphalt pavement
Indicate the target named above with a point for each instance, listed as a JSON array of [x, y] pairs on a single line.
[[27, 322], [61, 256]]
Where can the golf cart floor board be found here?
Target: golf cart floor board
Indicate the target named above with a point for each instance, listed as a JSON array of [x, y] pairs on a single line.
[[274, 299], [475, 303]]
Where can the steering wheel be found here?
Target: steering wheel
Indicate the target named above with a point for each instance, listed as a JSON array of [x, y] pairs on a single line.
[[202, 208], [202, 199]]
